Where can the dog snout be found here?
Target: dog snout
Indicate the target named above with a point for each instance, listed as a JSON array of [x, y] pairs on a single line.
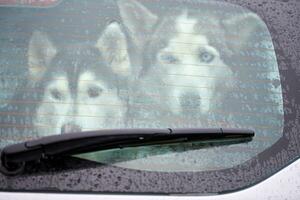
[[190, 101], [70, 128]]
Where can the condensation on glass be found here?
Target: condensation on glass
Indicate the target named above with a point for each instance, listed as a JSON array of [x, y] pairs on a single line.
[[92, 65]]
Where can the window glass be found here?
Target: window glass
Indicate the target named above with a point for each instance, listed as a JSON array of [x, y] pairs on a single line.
[[93, 65]]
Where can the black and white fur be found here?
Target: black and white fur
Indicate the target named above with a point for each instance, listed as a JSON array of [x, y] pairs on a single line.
[[191, 51], [79, 85]]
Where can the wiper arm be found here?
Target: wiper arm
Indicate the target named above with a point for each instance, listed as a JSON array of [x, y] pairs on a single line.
[[14, 157]]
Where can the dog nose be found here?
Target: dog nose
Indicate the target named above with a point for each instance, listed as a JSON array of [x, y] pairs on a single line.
[[70, 128], [190, 100]]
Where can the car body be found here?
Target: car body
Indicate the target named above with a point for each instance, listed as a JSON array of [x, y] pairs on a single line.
[[283, 184], [72, 66]]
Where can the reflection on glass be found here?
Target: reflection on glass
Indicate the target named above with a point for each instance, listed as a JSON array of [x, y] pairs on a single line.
[[73, 68]]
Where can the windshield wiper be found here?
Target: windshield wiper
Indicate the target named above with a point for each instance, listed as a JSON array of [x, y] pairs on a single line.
[[14, 157]]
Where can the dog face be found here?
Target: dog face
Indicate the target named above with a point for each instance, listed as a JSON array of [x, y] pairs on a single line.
[[79, 84], [194, 50], [193, 65]]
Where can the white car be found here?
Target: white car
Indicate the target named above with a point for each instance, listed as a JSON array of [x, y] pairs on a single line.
[[142, 99]]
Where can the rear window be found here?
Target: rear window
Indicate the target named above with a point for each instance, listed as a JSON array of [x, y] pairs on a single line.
[[76, 66]]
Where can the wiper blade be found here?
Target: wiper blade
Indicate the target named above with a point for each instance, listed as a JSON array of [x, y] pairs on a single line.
[[14, 157]]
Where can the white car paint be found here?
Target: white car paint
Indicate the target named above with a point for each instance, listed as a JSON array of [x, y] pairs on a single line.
[[283, 185]]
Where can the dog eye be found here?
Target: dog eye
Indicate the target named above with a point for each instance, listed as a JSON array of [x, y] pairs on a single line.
[[56, 94], [206, 57], [94, 92], [169, 58]]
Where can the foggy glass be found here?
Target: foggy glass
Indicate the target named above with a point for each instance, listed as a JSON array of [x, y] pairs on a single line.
[[73, 68]]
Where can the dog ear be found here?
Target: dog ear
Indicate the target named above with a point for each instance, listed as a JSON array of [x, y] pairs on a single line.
[[40, 53], [113, 46], [240, 31], [138, 20]]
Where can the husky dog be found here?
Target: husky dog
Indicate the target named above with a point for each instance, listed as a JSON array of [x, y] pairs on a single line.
[[192, 50], [78, 86]]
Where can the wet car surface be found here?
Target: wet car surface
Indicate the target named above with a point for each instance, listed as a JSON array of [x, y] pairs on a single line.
[[177, 169]]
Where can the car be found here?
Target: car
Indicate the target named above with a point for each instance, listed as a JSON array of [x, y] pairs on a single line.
[[149, 99]]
